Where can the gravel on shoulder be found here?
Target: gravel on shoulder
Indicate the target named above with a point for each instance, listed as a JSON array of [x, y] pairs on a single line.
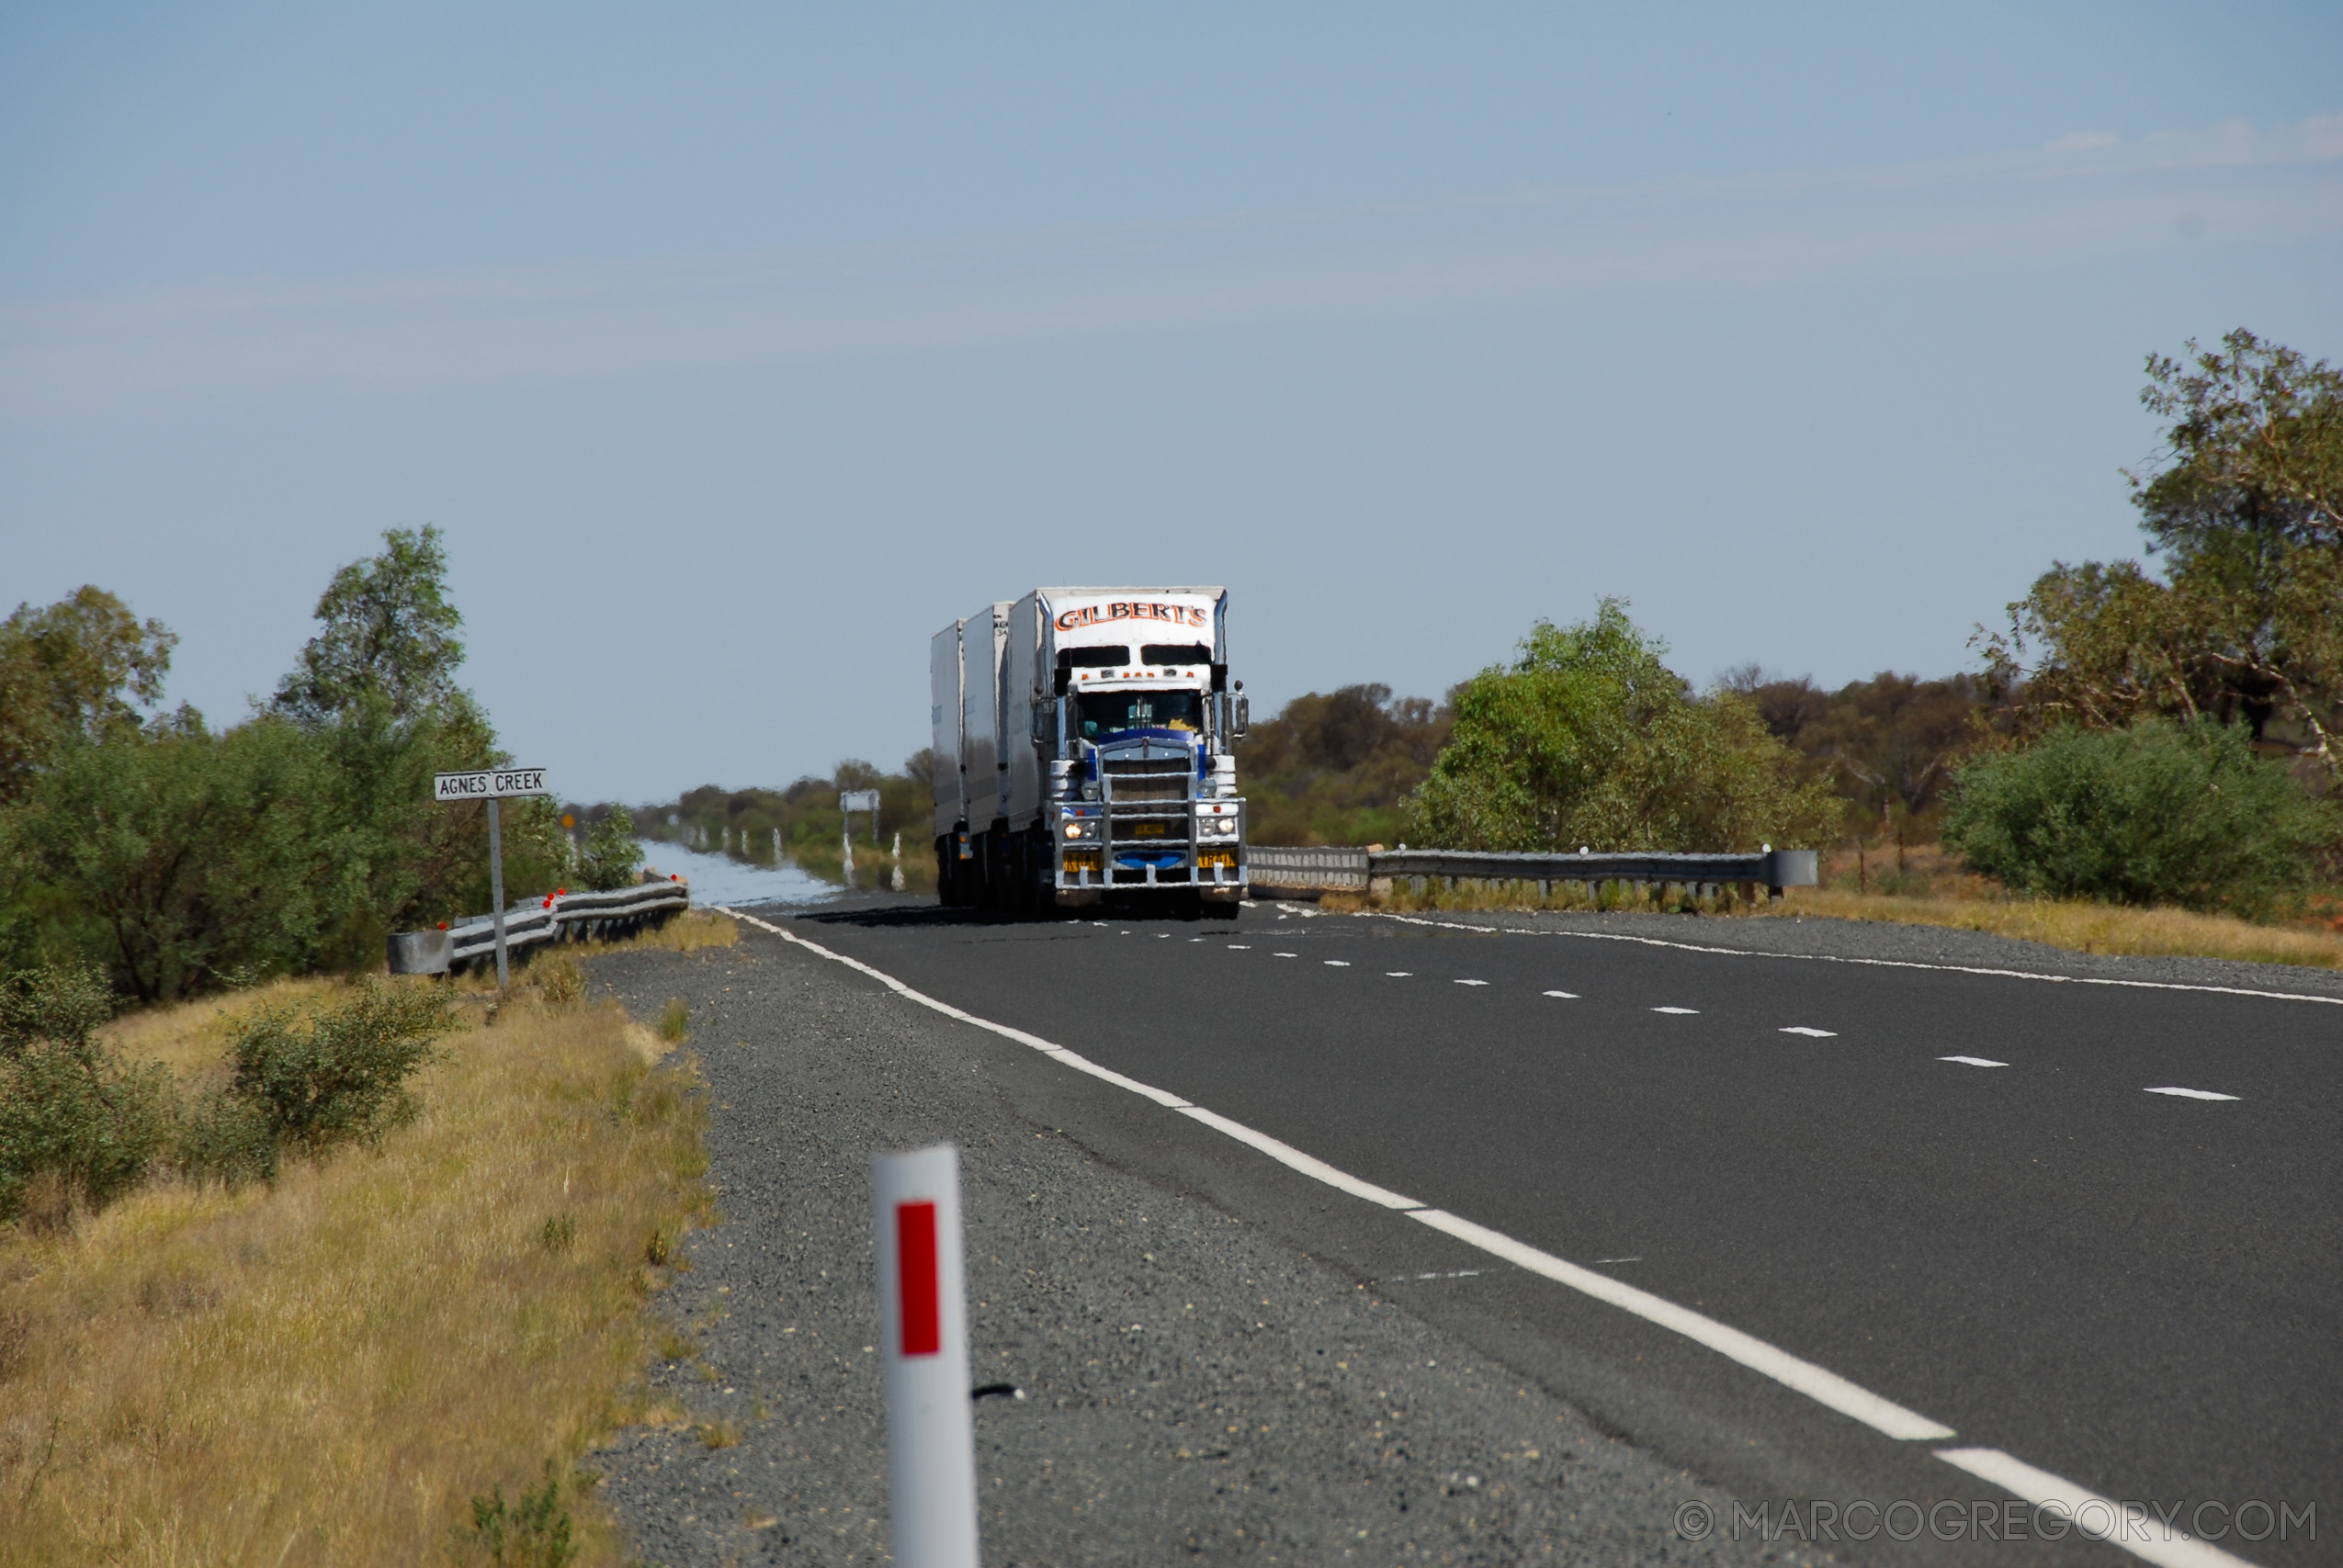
[[1194, 1389]]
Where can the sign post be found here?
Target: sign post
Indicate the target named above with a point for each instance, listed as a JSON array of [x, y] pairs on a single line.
[[491, 785]]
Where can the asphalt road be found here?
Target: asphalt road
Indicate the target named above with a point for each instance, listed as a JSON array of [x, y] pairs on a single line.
[[1198, 1388], [2136, 1290]]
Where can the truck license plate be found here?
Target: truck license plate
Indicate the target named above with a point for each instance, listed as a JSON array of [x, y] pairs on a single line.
[[1147, 830]]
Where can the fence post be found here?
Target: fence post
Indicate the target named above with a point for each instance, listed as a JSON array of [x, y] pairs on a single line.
[[923, 1327]]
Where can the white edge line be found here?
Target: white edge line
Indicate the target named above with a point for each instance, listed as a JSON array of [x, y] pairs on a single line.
[[1825, 1387], [2132, 1529], [1079, 1062], [2192, 1093], [1874, 962], [1286, 1154]]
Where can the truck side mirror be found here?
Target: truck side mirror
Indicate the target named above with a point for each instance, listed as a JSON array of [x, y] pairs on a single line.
[[1220, 677], [1242, 713]]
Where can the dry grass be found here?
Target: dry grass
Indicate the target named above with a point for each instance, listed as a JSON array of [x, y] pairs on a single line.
[[1924, 885], [687, 932], [2084, 927], [329, 1370]]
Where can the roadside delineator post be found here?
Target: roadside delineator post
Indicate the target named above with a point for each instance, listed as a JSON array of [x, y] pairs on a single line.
[[923, 1335]]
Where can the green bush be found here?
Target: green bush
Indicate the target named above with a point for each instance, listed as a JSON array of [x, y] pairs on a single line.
[[2160, 812], [531, 1533], [226, 1138], [77, 1126], [611, 855], [338, 1074]]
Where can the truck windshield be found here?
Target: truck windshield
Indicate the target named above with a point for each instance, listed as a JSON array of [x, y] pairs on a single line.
[[1103, 713]]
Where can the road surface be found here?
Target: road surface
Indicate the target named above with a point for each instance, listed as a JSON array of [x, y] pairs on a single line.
[[2098, 1227]]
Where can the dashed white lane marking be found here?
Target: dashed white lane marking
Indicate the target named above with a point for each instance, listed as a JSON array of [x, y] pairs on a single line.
[[1973, 1061], [2192, 1093], [1618, 1260], [1825, 1387], [2127, 1525], [1566, 995], [1811, 1034], [1685, 1012], [1338, 963], [1838, 958], [1240, 947], [1163, 936], [1195, 939], [1472, 981], [1284, 955], [1398, 974]]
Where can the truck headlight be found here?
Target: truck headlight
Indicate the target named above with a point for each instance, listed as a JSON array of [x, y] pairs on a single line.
[[1076, 829]]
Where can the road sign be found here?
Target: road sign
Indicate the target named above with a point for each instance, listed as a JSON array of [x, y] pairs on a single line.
[[849, 802], [489, 783]]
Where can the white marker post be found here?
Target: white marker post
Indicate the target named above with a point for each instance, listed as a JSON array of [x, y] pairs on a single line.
[[923, 1330], [491, 785]]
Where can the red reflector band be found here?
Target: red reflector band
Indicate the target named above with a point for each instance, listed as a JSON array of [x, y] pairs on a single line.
[[916, 1278]]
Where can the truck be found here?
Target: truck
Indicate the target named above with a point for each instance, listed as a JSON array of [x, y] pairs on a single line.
[[1083, 753]]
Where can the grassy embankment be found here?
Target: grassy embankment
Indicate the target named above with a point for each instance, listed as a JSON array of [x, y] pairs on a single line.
[[330, 1369], [1925, 886]]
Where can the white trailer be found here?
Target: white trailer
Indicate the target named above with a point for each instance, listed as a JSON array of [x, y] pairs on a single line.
[[1095, 729]]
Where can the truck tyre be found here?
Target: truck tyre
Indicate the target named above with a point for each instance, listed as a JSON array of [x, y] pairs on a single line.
[[946, 895]]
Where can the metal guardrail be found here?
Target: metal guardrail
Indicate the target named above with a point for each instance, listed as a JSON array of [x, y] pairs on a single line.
[[1357, 871], [575, 916], [1311, 870]]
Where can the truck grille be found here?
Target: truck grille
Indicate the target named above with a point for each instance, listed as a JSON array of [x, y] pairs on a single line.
[[1148, 781], [1149, 831]]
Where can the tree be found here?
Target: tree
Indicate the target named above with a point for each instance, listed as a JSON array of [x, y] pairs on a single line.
[[1590, 739], [1338, 767], [389, 637], [183, 859], [2247, 509], [1887, 745], [72, 671]]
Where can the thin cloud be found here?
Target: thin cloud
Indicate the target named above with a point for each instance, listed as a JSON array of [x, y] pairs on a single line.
[[2083, 196]]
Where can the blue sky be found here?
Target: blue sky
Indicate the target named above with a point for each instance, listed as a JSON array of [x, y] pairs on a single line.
[[737, 348]]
